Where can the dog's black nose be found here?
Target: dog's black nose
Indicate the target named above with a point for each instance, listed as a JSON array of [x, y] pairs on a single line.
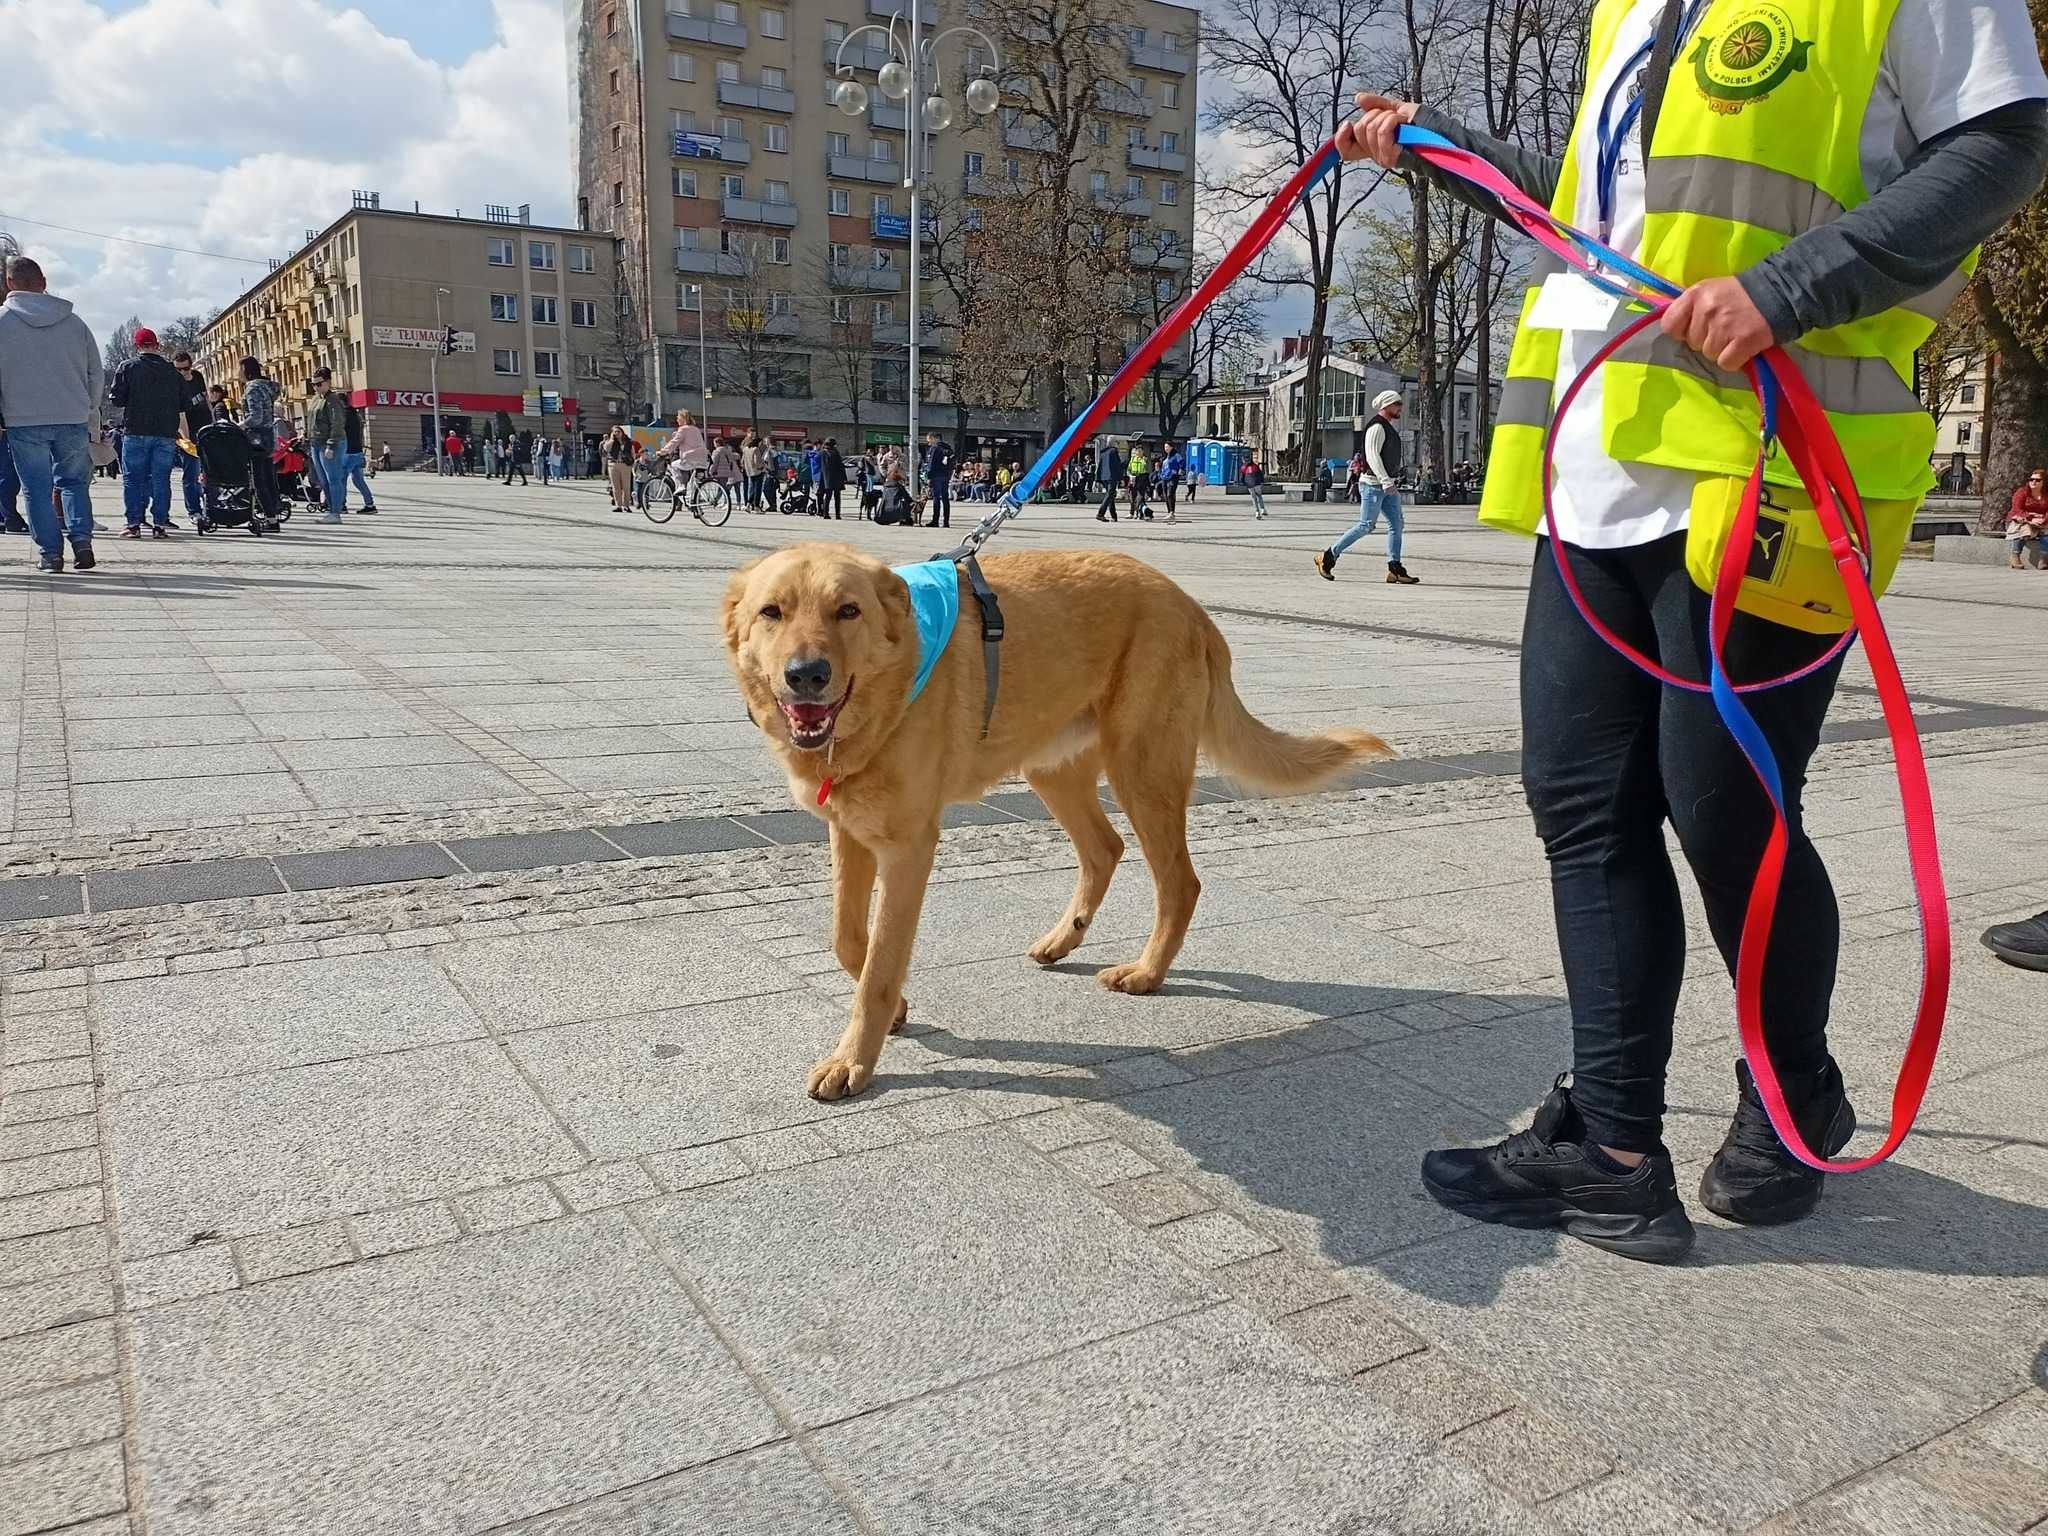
[[808, 677]]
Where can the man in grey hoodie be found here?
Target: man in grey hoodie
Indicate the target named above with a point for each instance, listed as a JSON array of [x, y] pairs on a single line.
[[49, 392]]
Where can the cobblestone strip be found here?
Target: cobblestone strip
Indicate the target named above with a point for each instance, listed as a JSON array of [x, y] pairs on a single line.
[[64, 1459], [42, 772]]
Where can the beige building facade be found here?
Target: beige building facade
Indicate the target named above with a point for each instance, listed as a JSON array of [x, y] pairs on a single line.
[[373, 295], [708, 140]]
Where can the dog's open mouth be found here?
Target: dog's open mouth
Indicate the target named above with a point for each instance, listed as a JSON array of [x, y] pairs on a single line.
[[811, 724]]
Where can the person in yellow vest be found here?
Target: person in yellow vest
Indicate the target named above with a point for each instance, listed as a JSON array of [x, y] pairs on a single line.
[[1817, 174]]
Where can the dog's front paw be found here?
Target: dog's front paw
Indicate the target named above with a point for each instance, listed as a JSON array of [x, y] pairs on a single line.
[[1134, 979], [838, 1077]]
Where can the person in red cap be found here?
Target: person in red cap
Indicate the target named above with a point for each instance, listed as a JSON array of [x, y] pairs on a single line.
[[149, 390]]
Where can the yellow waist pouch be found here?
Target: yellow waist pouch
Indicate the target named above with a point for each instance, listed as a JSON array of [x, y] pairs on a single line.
[[1791, 577]]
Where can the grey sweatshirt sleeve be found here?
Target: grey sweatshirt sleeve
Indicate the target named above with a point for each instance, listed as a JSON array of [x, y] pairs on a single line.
[[1531, 172], [95, 374], [1954, 193]]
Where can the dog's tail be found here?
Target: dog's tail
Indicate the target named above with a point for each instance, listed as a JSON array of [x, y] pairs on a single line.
[[1247, 748]]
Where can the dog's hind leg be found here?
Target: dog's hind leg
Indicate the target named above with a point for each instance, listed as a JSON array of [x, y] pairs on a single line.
[[1152, 775], [878, 1000], [1068, 790]]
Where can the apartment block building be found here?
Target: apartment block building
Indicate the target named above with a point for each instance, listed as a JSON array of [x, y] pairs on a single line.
[[372, 295], [708, 140]]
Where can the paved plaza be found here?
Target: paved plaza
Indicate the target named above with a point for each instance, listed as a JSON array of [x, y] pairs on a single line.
[[412, 960]]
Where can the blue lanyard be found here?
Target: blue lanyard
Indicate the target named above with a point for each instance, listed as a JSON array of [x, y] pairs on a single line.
[[1613, 138]]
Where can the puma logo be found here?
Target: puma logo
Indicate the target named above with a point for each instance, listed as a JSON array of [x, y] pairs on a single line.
[[1767, 543], [1767, 549]]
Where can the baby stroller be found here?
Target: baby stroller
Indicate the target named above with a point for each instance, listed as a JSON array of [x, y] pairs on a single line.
[[227, 465], [294, 473]]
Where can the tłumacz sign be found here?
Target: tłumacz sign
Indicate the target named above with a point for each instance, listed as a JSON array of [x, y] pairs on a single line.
[[419, 338]]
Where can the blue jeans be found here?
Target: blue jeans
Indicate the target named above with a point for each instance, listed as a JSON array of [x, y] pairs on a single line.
[[1373, 503], [146, 477], [59, 456], [333, 462], [10, 483], [189, 467], [354, 473]]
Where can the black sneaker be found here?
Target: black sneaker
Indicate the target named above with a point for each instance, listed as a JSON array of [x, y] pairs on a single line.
[[160, 531], [1753, 1179], [2024, 944], [53, 564], [1543, 1177], [14, 525], [366, 511], [81, 554]]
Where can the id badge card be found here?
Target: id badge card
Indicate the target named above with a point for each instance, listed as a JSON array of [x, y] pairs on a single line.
[[1567, 302]]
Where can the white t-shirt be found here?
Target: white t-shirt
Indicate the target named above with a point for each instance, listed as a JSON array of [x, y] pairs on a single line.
[[1944, 62]]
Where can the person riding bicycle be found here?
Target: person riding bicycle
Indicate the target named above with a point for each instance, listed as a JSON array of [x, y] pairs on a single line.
[[688, 454]]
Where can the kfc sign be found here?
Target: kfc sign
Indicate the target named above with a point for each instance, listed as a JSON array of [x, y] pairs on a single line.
[[452, 400], [423, 398]]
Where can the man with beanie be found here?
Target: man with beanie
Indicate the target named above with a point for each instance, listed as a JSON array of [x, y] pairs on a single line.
[[1377, 496], [49, 399], [149, 390]]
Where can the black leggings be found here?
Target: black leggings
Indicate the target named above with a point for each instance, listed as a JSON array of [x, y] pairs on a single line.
[[1608, 756]]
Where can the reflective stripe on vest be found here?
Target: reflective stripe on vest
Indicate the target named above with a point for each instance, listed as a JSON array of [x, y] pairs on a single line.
[[1524, 403], [1847, 386]]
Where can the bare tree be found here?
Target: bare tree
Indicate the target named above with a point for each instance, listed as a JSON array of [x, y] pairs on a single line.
[[118, 350], [622, 348], [758, 317], [849, 356], [1292, 68], [1220, 345]]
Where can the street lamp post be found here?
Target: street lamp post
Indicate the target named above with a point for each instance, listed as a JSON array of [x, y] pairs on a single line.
[[434, 378], [910, 77]]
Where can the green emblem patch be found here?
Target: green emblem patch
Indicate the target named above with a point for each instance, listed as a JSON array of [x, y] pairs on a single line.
[[1758, 53]]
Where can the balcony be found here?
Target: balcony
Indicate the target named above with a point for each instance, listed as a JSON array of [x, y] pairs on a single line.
[[885, 173], [865, 55], [994, 186], [867, 279], [1026, 133], [1145, 253], [882, 115], [1175, 62], [751, 210], [695, 29], [1112, 96], [1143, 157], [717, 263], [1124, 204], [927, 11], [762, 98], [896, 335], [779, 325], [712, 146]]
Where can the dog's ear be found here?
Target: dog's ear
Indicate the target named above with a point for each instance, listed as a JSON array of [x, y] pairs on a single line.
[[897, 618], [729, 610]]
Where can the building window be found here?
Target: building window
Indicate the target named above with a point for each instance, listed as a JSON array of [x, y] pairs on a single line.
[[1012, 169], [839, 200], [618, 136], [885, 311], [729, 71], [775, 138], [1098, 184], [726, 11], [580, 259], [731, 185], [611, 23], [505, 306], [586, 365], [1169, 143], [547, 365], [786, 375], [842, 311], [681, 120], [1969, 396], [618, 194], [970, 219], [1098, 131], [732, 128], [544, 309], [778, 250], [1169, 192], [889, 383], [882, 259], [683, 183], [504, 361], [972, 160], [881, 152], [778, 193], [540, 255], [1134, 138], [500, 252], [880, 202], [835, 32], [615, 82], [781, 304], [839, 254], [1134, 188], [774, 23], [838, 144], [774, 79], [690, 297], [1963, 429], [583, 312], [682, 66], [1170, 42], [1169, 94]]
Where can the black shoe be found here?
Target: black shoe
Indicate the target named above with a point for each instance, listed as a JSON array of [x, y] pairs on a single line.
[[14, 525], [2024, 944], [366, 511], [1326, 566], [1397, 575], [81, 554], [1753, 1179], [53, 564], [1543, 1177], [132, 531]]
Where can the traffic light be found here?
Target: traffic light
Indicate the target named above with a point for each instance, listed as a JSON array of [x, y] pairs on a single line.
[[448, 340]]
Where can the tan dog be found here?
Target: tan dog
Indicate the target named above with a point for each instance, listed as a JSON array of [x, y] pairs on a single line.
[[1107, 667]]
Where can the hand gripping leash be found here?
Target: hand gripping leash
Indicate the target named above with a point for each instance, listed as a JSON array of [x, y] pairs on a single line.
[[1794, 420]]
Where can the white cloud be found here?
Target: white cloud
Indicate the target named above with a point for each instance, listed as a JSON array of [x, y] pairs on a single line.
[[118, 122]]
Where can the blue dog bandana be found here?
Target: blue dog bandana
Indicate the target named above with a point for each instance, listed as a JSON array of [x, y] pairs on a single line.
[[935, 605]]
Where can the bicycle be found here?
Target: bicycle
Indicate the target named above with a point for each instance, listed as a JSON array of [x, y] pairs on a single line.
[[709, 501]]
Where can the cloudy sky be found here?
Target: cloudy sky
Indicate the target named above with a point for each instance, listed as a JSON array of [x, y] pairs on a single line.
[[233, 126]]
